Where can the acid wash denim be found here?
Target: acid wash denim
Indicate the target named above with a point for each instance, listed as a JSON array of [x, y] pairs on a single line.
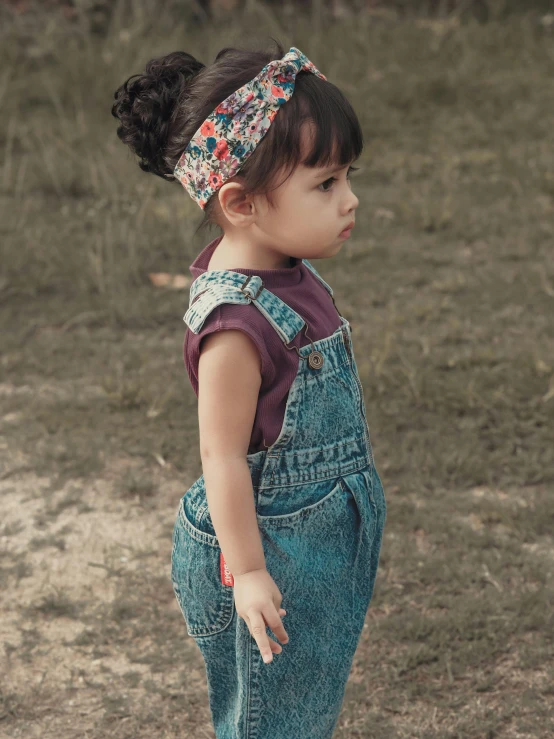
[[321, 511]]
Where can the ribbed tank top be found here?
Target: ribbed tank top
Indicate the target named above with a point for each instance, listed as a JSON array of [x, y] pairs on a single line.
[[301, 291]]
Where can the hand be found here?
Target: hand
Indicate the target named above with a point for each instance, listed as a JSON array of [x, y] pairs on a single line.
[[257, 599]]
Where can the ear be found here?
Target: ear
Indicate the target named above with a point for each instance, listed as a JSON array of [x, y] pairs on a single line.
[[236, 205]]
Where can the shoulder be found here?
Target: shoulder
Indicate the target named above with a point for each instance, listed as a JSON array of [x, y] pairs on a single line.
[[229, 347], [238, 332]]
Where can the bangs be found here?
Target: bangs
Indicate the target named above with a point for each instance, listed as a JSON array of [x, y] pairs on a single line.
[[334, 137]]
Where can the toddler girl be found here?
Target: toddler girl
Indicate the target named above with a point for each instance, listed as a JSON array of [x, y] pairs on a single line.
[[287, 519]]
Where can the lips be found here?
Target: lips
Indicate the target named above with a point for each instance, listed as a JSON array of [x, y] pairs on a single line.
[[347, 228]]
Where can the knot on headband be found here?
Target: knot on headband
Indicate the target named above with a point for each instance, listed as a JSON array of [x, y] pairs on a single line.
[[232, 131]]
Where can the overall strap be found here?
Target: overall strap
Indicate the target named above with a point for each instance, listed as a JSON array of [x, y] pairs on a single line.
[[325, 284], [214, 287], [319, 277]]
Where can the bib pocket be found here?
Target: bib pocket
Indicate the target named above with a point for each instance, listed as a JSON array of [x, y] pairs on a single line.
[[207, 604]]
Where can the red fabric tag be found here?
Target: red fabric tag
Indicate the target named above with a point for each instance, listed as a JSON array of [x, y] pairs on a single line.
[[226, 576]]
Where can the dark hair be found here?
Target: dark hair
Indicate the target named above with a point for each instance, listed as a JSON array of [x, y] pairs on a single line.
[[161, 109]]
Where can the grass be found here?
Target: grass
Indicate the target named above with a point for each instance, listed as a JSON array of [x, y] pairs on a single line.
[[449, 285]]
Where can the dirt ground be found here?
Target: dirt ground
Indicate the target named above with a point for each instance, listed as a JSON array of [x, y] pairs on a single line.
[[94, 643]]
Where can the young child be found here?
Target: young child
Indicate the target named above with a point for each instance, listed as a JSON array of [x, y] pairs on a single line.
[[286, 520]]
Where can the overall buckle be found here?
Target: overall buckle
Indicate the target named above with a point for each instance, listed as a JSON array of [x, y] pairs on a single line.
[[241, 288]]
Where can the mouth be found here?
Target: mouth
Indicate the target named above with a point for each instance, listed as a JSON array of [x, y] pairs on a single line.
[[346, 231]]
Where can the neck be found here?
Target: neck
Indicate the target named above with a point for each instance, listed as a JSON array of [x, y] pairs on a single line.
[[242, 254]]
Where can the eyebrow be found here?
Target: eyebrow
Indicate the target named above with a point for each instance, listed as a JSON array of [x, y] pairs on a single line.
[[330, 170]]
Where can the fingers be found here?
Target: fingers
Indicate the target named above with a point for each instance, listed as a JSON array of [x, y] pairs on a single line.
[[258, 621], [274, 622], [257, 629]]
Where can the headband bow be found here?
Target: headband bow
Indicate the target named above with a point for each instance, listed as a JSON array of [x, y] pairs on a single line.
[[232, 131]]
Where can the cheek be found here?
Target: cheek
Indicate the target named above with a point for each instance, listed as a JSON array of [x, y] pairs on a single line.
[[315, 203]]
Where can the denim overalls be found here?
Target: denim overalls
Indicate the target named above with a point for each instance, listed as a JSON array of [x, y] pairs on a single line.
[[321, 511]]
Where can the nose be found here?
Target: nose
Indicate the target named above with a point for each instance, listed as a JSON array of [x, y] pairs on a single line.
[[351, 203]]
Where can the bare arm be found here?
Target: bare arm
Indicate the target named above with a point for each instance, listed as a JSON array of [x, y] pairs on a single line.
[[229, 367], [229, 380]]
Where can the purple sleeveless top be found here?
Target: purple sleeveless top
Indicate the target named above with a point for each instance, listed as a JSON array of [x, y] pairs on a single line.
[[300, 290]]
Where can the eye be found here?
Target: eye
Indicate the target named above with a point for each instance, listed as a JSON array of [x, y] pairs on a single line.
[[334, 179]]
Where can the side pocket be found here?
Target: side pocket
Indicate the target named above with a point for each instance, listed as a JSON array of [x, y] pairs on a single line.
[[206, 603], [360, 485], [378, 492], [285, 509], [361, 482]]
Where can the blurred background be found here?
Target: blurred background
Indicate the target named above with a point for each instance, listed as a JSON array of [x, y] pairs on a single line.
[[448, 282]]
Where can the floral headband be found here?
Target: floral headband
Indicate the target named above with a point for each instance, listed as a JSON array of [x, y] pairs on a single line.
[[230, 134]]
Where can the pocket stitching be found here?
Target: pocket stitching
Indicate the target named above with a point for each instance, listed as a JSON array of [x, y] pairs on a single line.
[[219, 625], [202, 536], [205, 631]]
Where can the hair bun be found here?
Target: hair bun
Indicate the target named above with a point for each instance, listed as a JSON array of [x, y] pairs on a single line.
[[145, 105]]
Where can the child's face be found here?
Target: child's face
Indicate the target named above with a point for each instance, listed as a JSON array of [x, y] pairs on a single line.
[[310, 211]]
